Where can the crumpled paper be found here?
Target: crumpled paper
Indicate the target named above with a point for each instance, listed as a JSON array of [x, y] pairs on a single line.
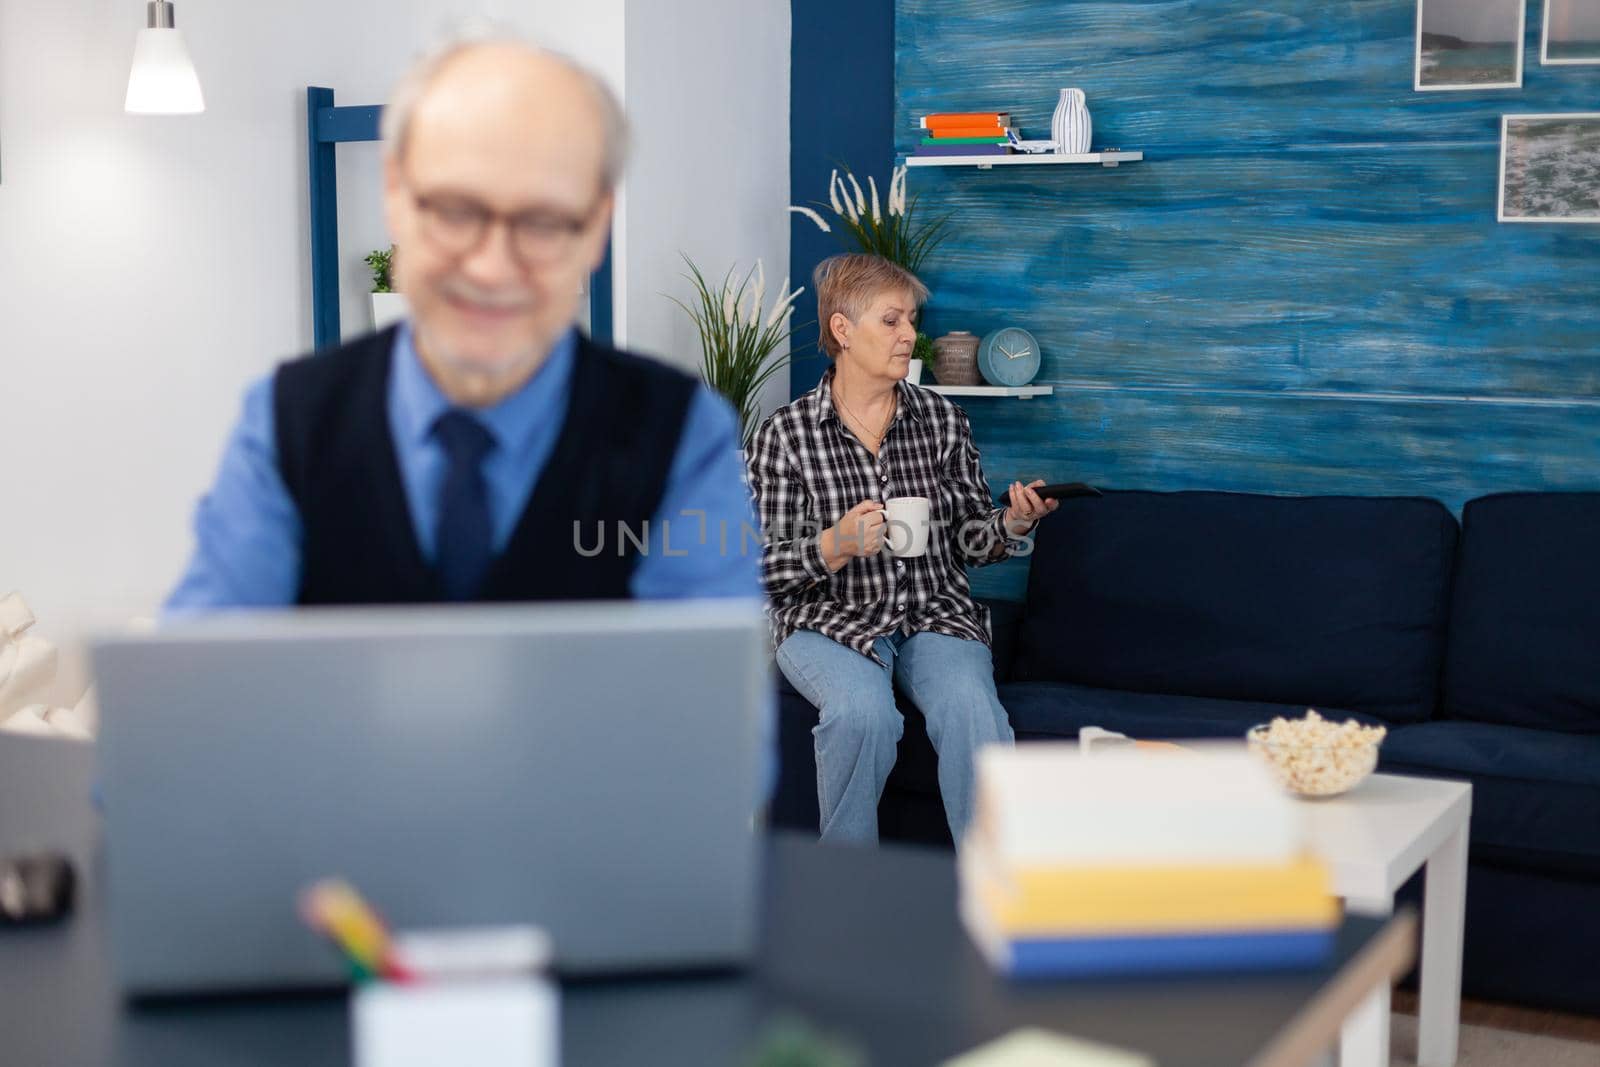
[[27, 666]]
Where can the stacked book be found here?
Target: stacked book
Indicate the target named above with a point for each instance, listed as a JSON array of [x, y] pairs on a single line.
[[1134, 861], [981, 133]]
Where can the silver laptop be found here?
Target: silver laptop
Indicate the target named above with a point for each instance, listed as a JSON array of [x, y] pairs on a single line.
[[592, 769]]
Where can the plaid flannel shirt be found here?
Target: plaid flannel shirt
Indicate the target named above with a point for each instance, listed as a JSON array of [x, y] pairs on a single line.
[[807, 470]]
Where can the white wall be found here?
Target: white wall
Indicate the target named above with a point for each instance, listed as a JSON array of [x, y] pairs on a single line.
[[150, 267], [708, 97]]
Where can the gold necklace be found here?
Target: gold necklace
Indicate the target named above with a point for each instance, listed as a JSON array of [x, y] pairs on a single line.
[[894, 402]]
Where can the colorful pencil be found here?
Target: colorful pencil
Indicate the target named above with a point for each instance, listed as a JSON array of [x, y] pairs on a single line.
[[334, 909]]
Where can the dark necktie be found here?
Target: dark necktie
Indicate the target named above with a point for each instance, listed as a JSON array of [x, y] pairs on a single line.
[[465, 542]]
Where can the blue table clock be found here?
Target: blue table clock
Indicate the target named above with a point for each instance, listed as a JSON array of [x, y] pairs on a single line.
[[1008, 357]]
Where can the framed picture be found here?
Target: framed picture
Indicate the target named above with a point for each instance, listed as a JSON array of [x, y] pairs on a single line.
[[1550, 167], [1571, 32], [1469, 44]]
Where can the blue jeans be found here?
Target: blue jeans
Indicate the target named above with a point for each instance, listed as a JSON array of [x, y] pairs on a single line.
[[951, 681]]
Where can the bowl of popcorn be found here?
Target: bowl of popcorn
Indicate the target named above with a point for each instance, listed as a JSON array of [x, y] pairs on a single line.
[[1313, 757]]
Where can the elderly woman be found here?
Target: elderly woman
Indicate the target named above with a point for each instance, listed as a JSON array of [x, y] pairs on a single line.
[[849, 619]]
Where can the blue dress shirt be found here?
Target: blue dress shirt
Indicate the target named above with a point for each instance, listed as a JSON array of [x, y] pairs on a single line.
[[248, 531]]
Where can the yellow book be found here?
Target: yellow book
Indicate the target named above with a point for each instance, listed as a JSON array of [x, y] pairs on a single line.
[[1026, 919], [1101, 900]]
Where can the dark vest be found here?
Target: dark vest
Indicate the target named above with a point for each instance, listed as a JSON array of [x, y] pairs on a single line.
[[623, 421]]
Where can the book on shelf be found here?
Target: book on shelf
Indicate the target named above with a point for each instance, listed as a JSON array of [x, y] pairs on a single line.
[[963, 150], [968, 131], [965, 140], [958, 119]]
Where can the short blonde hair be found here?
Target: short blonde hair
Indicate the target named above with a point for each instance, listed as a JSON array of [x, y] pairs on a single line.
[[395, 123], [848, 284]]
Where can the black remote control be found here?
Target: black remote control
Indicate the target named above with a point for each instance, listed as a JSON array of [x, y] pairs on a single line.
[[1059, 491]]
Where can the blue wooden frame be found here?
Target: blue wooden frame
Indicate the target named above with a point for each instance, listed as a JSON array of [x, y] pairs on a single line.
[[327, 127]]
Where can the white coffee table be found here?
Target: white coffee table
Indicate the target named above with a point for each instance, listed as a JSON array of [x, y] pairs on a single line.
[[1374, 838]]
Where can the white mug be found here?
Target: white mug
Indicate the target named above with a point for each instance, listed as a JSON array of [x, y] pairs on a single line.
[[906, 525]]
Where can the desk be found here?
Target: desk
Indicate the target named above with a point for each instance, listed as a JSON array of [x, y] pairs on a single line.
[[864, 943]]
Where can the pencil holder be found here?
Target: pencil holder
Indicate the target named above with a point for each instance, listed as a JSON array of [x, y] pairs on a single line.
[[480, 1000]]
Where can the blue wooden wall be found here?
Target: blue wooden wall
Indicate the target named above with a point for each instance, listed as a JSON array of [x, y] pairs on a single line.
[[841, 114], [1301, 289]]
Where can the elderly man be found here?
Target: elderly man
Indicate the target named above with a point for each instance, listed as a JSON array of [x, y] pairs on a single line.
[[485, 450]]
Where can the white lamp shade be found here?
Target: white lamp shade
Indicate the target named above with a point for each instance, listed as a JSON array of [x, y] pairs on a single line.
[[163, 81]]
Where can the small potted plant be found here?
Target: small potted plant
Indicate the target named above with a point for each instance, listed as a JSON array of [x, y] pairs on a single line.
[[892, 230], [922, 358], [388, 306]]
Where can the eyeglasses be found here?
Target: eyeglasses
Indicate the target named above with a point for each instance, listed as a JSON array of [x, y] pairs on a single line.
[[458, 224]]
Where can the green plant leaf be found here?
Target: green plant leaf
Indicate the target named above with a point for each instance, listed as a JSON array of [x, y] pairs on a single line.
[[737, 355], [901, 239], [379, 263]]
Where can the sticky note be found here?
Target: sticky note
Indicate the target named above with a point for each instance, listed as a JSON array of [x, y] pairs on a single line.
[[1042, 1048]]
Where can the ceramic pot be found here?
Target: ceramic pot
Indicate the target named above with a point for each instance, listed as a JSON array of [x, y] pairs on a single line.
[[388, 308], [956, 359], [914, 374]]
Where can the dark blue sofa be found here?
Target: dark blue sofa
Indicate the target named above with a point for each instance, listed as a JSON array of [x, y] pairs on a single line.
[[1199, 614]]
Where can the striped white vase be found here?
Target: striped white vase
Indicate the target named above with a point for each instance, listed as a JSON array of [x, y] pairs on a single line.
[[1070, 127]]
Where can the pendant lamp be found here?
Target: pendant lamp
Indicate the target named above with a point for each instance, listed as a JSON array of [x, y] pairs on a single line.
[[163, 81]]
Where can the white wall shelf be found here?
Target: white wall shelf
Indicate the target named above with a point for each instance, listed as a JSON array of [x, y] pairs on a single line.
[[1021, 392], [1105, 159]]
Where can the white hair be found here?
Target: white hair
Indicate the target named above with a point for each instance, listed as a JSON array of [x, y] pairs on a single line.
[[414, 84]]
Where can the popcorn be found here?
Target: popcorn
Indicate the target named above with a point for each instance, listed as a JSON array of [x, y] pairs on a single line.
[[1315, 757]]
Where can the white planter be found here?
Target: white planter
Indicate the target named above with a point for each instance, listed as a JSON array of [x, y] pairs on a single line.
[[914, 372], [388, 309]]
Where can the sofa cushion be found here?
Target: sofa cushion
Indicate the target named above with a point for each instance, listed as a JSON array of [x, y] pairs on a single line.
[[1336, 602], [1535, 793], [1478, 748], [1005, 620], [1525, 626], [1060, 709]]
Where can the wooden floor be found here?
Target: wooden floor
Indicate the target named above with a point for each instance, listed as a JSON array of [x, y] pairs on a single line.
[[1511, 1017]]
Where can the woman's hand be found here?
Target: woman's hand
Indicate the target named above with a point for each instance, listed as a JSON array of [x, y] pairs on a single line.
[[1027, 507], [859, 533]]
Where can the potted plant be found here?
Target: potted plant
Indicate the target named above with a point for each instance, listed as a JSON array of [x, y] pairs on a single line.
[[896, 234], [388, 306], [923, 356], [740, 340]]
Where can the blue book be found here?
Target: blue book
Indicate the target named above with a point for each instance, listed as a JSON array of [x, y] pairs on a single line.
[[963, 150], [1079, 957], [1193, 953]]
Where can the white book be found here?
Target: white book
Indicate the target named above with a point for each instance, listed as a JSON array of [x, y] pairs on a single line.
[[1042, 803]]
